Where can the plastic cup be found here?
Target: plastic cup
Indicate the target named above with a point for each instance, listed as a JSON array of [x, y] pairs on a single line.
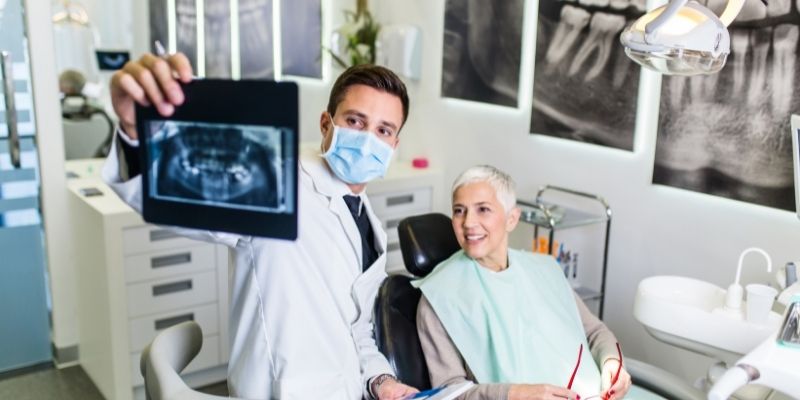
[[759, 302]]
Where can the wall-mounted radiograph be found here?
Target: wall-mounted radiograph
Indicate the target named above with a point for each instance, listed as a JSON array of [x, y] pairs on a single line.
[[728, 134], [482, 47], [217, 35], [255, 39], [186, 29], [301, 32], [159, 30], [301, 38], [585, 87], [223, 165]]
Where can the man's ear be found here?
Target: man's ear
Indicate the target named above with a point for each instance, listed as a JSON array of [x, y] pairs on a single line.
[[325, 123]]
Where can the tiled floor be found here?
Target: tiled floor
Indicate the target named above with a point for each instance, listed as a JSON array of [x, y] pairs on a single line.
[[64, 384]]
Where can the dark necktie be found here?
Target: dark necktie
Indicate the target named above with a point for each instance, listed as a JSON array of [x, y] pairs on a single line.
[[368, 252]]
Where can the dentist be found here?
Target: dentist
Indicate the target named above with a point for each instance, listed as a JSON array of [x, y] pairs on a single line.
[[301, 311]]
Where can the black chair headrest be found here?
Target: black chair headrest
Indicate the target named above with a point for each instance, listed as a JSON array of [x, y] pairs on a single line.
[[425, 241]]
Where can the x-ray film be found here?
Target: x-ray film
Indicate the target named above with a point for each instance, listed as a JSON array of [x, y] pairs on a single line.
[[225, 161]]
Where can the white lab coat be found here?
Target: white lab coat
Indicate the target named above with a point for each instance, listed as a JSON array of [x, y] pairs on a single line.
[[301, 312]]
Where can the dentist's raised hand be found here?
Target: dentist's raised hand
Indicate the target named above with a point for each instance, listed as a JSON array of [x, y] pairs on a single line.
[[150, 80]]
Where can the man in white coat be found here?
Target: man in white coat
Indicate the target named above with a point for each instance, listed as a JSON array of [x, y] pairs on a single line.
[[301, 311]]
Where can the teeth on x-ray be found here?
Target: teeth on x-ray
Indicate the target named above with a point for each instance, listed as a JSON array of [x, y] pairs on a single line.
[[186, 27], [619, 4], [740, 41], [778, 7], [218, 38], [573, 20], [757, 88], [602, 36], [231, 165], [255, 21], [595, 3], [783, 65]]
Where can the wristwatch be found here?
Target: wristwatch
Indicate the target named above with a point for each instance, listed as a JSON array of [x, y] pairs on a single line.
[[376, 383]]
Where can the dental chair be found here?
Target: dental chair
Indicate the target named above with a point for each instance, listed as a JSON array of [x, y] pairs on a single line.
[[425, 241], [165, 357]]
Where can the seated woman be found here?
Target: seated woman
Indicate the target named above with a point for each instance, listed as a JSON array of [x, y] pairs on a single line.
[[507, 319]]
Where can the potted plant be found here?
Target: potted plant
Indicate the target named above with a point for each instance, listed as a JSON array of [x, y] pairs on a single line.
[[356, 39]]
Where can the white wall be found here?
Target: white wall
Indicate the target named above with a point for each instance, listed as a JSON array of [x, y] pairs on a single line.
[[50, 142]]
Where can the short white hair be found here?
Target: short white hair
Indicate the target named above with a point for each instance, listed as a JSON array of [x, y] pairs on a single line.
[[503, 185]]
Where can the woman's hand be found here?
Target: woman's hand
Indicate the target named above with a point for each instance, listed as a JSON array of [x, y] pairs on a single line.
[[392, 389], [541, 392], [149, 80], [610, 389]]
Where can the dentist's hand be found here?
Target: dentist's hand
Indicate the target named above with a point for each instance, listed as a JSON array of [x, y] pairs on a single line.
[[394, 390], [540, 392], [614, 390], [149, 80]]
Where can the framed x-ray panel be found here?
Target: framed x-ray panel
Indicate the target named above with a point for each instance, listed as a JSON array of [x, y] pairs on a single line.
[[226, 165], [796, 160]]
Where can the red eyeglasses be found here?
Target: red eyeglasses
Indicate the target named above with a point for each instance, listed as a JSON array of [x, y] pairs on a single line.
[[578, 364]]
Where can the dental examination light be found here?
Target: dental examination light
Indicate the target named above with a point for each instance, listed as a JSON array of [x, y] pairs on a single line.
[[681, 38]]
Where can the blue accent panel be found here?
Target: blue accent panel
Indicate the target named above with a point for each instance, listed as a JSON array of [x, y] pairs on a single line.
[[18, 204], [18, 175], [25, 329]]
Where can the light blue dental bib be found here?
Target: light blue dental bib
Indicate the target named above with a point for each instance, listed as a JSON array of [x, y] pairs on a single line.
[[520, 325]]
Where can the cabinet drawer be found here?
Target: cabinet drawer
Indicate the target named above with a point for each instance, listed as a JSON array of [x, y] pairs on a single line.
[[390, 225], [208, 357], [166, 263], [394, 257], [143, 330], [171, 294], [149, 238], [400, 202]]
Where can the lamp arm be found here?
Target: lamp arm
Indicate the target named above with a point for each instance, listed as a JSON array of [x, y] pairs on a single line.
[[661, 19], [732, 9]]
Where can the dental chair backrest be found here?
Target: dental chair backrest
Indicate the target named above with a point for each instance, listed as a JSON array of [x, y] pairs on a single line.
[[425, 241], [163, 359]]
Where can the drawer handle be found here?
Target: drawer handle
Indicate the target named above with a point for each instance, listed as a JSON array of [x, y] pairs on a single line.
[[167, 261], [392, 223], [167, 322], [168, 288], [397, 200], [393, 246], [157, 235]]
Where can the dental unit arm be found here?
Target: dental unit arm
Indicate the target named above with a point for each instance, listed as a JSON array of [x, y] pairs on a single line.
[[773, 363]]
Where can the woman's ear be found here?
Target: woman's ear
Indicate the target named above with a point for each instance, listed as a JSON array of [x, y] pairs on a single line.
[[513, 218]]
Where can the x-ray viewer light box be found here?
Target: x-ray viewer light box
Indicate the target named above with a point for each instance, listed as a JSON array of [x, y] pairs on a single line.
[[796, 158], [226, 160]]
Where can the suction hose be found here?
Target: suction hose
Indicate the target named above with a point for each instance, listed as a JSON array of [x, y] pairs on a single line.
[[732, 380]]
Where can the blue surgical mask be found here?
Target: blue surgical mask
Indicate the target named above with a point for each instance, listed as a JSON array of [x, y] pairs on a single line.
[[357, 156]]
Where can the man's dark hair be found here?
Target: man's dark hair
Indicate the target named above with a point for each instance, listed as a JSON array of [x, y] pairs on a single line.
[[374, 76]]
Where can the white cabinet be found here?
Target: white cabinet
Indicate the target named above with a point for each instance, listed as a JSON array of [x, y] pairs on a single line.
[[405, 191], [136, 279]]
